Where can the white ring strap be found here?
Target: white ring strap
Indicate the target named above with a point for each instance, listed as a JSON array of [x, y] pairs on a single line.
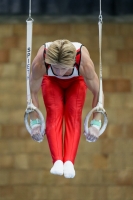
[[99, 108], [30, 107]]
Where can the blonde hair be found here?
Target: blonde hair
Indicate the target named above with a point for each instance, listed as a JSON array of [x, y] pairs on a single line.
[[61, 52]]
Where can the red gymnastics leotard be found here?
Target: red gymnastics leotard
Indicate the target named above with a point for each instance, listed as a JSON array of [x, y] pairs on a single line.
[[64, 98]]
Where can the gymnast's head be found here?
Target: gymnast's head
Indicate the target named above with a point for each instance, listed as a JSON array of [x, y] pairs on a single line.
[[61, 52]]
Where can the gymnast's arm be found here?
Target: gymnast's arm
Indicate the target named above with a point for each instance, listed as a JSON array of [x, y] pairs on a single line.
[[87, 70], [38, 70]]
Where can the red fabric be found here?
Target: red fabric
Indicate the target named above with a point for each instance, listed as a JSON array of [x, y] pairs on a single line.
[[64, 99]]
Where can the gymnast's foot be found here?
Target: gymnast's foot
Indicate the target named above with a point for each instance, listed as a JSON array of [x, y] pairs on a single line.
[[69, 171], [57, 168]]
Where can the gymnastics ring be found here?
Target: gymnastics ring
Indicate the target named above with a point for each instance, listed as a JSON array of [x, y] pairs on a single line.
[[30, 109], [99, 110]]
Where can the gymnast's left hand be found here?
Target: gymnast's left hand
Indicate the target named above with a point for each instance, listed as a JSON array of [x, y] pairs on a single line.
[[93, 131], [92, 135]]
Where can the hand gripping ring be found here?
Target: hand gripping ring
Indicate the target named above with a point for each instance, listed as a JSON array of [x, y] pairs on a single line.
[[99, 110], [29, 110]]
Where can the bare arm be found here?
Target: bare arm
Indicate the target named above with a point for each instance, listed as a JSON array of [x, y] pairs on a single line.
[[38, 70], [87, 70]]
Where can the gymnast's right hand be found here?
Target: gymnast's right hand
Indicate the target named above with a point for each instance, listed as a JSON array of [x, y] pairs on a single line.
[[36, 130]]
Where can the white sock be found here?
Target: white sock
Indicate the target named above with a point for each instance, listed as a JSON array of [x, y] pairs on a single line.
[[57, 168], [69, 171]]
